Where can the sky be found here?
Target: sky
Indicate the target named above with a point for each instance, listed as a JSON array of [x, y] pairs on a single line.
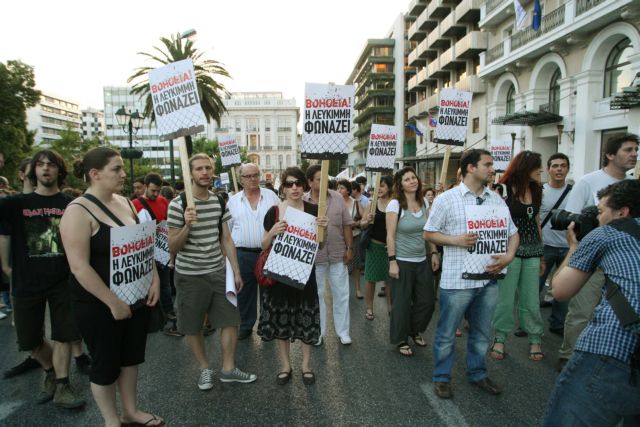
[[77, 47]]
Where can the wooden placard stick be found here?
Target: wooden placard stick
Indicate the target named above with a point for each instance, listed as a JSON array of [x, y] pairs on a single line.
[[445, 167], [322, 199], [374, 198], [186, 171], [235, 178]]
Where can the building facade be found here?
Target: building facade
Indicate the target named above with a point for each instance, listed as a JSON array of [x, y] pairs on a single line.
[[93, 124], [52, 116], [551, 89], [265, 123]]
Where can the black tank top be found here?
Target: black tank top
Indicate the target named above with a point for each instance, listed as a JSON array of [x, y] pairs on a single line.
[[379, 231]]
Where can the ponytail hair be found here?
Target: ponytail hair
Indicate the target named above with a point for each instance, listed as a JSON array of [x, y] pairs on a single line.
[[96, 158]]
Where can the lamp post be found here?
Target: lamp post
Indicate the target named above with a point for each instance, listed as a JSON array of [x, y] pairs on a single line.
[[130, 123]]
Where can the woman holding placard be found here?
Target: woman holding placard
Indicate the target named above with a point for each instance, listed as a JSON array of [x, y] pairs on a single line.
[[524, 197], [376, 264], [114, 331], [410, 267], [290, 314], [357, 212]]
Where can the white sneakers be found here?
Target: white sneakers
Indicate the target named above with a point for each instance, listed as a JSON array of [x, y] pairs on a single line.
[[206, 379]]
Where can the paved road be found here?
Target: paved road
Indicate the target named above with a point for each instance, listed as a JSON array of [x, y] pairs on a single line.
[[366, 383]]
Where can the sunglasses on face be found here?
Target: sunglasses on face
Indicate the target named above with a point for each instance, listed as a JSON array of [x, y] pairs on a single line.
[[290, 184]]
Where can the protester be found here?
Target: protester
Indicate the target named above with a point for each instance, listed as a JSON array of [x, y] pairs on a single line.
[[524, 197], [290, 314], [194, 235], [248, 208], [620, 155], [376, 267], [138, 188], [40, 273], [115, 333], [554, 196], [429, 194], [599, 386], [353, 205], [446, 226], [333, 257], [410, 266], [362, 180], [357, 194]]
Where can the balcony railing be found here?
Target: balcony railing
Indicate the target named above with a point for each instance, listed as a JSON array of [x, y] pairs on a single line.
[[492, 4], [494, 53], [584, 5], [550, 21]]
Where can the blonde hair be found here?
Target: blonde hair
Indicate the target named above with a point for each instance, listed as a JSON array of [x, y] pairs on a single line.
[[199, 156]]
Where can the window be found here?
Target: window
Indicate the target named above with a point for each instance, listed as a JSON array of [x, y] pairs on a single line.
[[289, 160], [554, 92], [475, 125], [238, 125], [267, 124], [284, 124], [267, 160], [617, 72], [511, 100], [252, 124]]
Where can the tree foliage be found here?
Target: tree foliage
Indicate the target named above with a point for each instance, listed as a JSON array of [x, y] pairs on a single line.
[[17, 94], [207, 71]]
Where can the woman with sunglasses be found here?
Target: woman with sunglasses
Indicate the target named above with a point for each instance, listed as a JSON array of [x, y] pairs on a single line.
[[290, 314], [410, 267], [523, 190]]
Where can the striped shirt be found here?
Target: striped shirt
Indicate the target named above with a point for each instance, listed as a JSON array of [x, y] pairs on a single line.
[[201, 253], [447, 216], [247, 229], [618, 254]]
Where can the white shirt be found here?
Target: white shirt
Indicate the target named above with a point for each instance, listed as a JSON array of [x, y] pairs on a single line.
[[585, 192], [247, 224], [447, 216]]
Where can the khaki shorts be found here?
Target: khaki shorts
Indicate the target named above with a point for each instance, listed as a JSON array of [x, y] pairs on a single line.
[[197, 296]]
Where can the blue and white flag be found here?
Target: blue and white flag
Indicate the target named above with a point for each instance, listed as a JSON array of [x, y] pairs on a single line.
[[521, 16]]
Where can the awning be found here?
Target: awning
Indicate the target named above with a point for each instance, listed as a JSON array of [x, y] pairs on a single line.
[[528, 118]]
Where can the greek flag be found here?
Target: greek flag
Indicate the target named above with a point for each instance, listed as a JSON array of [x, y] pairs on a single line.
[[521, 16]]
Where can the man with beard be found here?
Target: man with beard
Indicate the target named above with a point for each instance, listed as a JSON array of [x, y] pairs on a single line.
[[40, 275]]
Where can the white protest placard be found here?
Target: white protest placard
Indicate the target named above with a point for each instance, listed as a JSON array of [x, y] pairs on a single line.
[[327, 121], [230, 284], [161, 254], [501, 151], [224, 178], [175, 100], [294, 251], [491, 225], [131, 261], [381, 154], [229, 150], [453, 117]]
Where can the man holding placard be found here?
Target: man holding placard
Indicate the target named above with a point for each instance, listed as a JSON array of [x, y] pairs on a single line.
[[463, 290], [248, 208], [194, 235]]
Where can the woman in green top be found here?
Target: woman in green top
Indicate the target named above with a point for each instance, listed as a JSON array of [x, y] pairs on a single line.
[[410, 266], [524, 196]]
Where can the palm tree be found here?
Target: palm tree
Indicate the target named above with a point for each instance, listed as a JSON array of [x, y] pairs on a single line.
[[210, 91]]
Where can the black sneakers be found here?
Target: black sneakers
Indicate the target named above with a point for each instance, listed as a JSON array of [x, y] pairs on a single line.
[[29, 364]]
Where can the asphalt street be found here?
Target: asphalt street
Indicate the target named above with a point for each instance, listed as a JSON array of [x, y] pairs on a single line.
[[366, 383]]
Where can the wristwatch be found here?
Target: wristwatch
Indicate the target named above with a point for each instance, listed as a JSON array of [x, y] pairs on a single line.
[[392, 258]]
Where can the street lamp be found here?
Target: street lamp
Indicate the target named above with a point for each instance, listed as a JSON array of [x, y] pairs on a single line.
[[130, 123]]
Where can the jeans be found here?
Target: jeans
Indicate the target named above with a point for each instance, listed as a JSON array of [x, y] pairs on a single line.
[[553, 257], [248, 297], [479, 305], [339, 282], [166, 301], [593, 390]]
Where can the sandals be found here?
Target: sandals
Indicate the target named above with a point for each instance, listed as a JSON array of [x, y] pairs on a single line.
[[283, 377], [369, 315], [308, 378], [419, 341], [497, 354], [535, 356], [359, 295], [150, 420], [404, 349]]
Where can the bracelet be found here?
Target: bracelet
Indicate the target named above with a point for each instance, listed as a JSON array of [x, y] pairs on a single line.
[[392, 258]]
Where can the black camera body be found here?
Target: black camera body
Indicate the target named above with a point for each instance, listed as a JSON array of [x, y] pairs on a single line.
[[585, 221]]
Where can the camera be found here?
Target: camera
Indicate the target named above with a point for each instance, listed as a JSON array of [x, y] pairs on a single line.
[[585, 221]]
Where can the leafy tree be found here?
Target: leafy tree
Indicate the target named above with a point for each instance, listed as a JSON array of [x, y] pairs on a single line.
[[210, 90], [17, 94]]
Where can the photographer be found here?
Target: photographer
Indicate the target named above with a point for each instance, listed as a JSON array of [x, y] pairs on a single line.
[[620, 155], [599, 384]]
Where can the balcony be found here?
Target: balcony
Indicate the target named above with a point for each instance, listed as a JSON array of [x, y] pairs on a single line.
[[432, 101], [434, 70], [435, 40], [423, 77], [494, 53], [471, 84], [415, 59], [450, 28], [425, 52], [412, 84], [494, 12], [415, 33], [426, 23], [416, 7], [448, 59], [583, 6], [374, 110], [550, 21], [471, 45], [418, 110], [468, 11], [438, 9]]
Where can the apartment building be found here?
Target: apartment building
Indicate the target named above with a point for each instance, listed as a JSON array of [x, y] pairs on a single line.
[[92, 124], [552, 89], [265, 123], [53, 115]]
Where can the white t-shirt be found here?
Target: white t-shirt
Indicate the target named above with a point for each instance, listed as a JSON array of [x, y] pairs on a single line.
[[584, 193], [550, 196]]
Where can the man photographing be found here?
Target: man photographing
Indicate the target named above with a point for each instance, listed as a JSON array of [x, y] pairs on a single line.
[[600, 383]]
